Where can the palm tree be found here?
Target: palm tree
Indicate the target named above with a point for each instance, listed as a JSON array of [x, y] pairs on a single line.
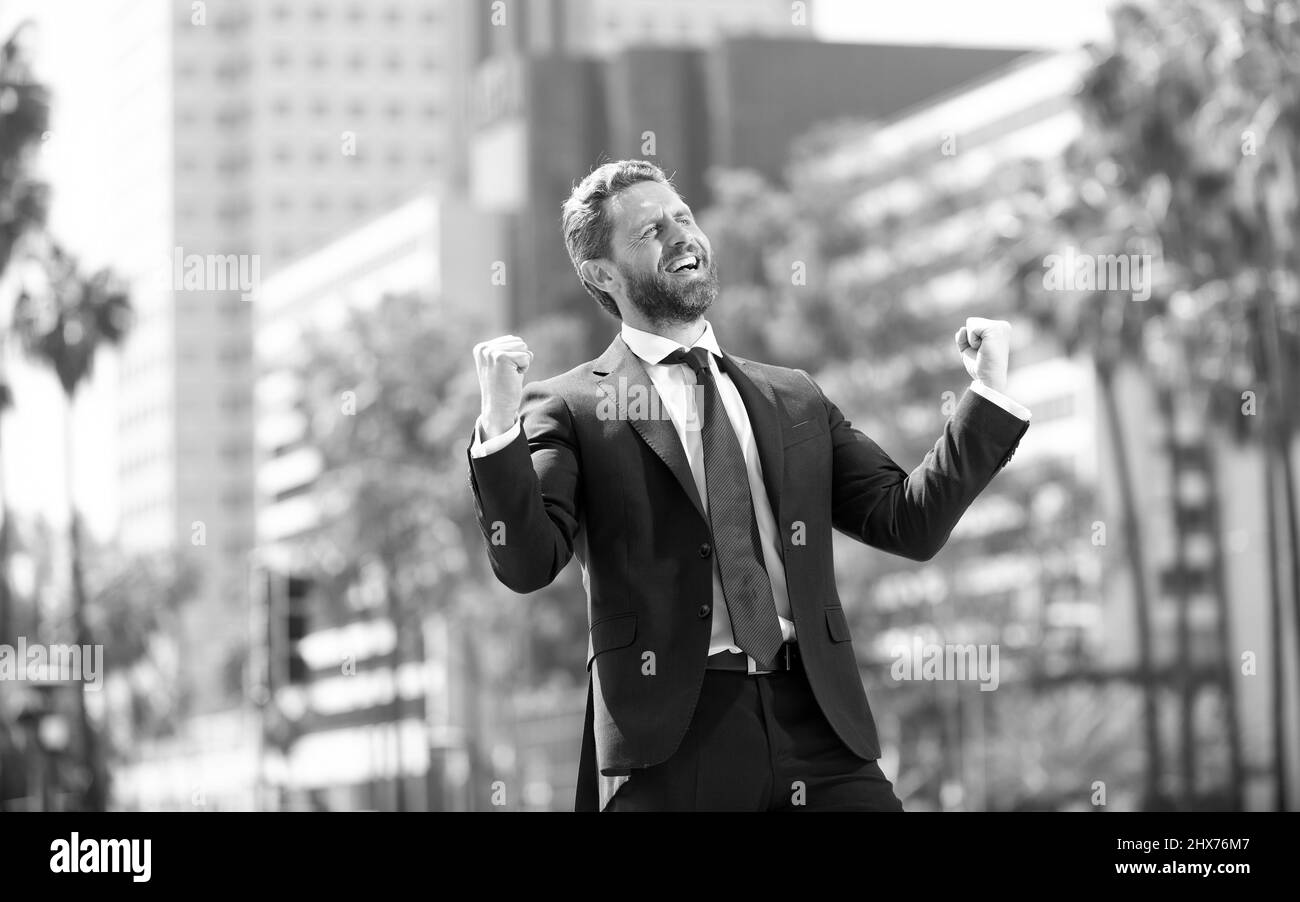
[[6, 599], [24, 116], [1215, 125], [1071, 204], [1192, 121], [62, 325]]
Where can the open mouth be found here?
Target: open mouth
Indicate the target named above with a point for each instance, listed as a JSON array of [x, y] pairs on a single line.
[[688, 263]]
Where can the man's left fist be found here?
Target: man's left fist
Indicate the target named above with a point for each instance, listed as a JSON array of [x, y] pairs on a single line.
[[985, 346]]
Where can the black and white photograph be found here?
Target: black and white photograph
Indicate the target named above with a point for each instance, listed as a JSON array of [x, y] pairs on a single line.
[[595, 406]]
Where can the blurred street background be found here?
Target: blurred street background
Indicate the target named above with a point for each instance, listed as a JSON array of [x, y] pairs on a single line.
[[246, 247]]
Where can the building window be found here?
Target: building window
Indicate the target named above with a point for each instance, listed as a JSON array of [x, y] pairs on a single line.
[[230, 69], [232, 211], [232, 162], [231, 115]]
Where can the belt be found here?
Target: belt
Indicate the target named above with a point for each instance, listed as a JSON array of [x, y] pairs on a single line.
[[788, 658]]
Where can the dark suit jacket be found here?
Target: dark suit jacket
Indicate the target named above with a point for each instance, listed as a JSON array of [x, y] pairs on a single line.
[[617, 492]]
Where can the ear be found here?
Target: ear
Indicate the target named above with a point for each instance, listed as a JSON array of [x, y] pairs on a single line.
[[601, 273]]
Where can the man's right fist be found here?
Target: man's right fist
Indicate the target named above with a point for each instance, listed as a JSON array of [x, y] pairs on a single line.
[[501, 364]]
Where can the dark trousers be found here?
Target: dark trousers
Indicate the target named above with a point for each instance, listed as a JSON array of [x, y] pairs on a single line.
[[758, 743]]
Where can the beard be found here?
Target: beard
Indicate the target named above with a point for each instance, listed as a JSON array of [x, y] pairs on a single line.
[[669, 300]]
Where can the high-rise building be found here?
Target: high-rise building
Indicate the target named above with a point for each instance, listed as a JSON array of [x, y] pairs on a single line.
[[602, 27], [197, 144], [915, 189], [428, 246]]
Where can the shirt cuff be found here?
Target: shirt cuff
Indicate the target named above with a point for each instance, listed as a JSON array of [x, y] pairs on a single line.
[[483, 447], [1016, 410]]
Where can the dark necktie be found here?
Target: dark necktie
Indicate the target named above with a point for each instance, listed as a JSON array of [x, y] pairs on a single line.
[[746, 585]]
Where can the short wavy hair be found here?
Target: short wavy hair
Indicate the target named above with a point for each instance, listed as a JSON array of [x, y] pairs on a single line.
[[586, 222]]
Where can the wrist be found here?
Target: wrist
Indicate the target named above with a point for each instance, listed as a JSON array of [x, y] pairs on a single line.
[[494, 424]]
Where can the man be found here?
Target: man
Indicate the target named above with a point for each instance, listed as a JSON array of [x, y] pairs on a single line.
[[698, 490]]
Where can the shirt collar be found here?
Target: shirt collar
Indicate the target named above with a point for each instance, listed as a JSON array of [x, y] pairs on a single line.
[[653, 348]]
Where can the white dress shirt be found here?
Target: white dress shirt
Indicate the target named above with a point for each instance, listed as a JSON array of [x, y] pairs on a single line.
[[673, 382]]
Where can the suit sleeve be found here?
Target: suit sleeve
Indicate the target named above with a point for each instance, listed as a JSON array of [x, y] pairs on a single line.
[[912, 514], [526, 494]]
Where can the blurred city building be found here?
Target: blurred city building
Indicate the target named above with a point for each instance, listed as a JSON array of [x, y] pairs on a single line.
[[312, 735], [540, 119], [440, 250], [915, 188], [437, 248], [336, 154], [236, 128], [604, 27], [535, 108]]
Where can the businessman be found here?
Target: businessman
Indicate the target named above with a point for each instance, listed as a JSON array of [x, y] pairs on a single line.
[[698, 491]]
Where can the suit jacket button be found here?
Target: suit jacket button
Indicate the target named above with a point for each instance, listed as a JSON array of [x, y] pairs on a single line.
[[704, 610], [706, 549]]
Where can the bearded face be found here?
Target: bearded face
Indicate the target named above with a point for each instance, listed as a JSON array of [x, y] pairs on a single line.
[[660, 262], [668, 297]]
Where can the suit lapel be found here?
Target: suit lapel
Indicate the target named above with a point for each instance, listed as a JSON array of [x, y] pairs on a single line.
[[618, 366]]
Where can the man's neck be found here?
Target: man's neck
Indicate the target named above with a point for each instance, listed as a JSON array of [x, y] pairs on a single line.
[[685, 334]]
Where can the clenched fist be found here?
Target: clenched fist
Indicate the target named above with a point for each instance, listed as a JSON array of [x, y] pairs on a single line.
[[985, 346], [501, 364]]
